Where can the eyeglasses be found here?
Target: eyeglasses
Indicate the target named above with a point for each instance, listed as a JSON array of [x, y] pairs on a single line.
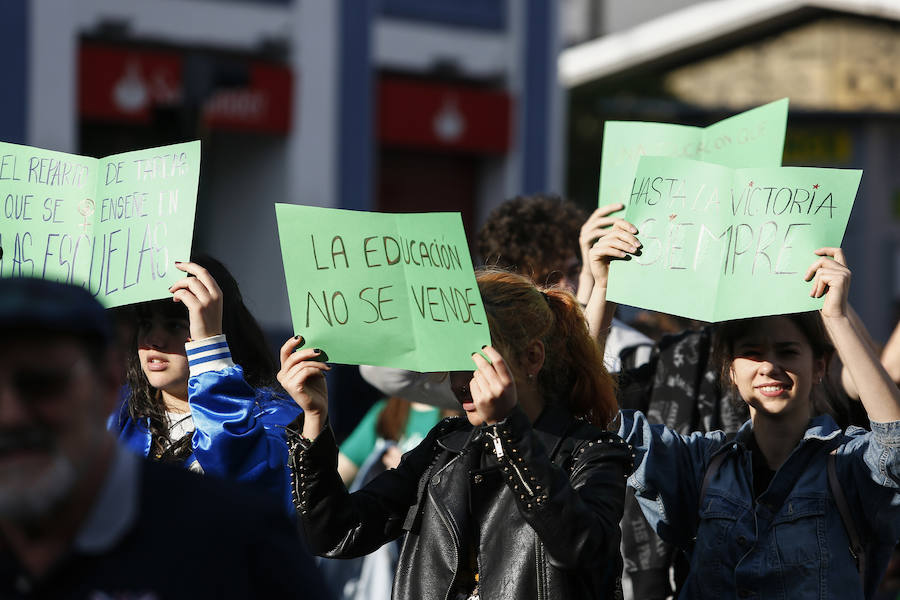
[[43, 383]]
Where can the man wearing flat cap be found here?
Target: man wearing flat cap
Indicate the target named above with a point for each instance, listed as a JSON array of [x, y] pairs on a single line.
[[82, 518]]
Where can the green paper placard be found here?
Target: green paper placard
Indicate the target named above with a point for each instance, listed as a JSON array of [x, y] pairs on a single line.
[[719, 243], [390, 290], [114, 226], [754, 138]]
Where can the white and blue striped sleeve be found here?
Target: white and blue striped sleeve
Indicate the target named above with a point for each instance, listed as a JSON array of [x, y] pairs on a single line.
[[210, 354]]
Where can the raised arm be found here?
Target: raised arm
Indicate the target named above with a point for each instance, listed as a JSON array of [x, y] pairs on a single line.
[[618, 243], [338, 524], [231, 438], [846, 379], [878, 393], [890, 355]]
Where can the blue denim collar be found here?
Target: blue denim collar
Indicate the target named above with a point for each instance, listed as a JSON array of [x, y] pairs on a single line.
[[822, 428]]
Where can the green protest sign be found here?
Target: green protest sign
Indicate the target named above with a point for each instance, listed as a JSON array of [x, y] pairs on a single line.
[[390, 290], [719, 243], [754, 138], [113, 226]]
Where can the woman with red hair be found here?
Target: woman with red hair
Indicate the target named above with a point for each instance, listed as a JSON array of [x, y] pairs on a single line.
[[519, 499]]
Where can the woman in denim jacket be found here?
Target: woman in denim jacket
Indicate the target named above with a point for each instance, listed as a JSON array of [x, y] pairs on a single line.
[[763, 521]]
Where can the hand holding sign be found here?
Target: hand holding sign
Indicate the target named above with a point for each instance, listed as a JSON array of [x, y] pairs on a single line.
[[203, 299], [303, 378], [492, 387], [831, 278], [619, 242], [595, 227]]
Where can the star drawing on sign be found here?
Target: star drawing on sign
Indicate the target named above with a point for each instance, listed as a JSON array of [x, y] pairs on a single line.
[[751, 184], [816, 186]]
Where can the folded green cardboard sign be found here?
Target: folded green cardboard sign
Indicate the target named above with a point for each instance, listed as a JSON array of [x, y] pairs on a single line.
[[114, 226]]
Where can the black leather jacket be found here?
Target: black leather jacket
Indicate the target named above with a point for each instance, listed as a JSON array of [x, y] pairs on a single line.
[[535, 511]]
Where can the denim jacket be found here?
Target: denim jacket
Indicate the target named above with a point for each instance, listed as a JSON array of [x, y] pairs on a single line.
[[744, 547]]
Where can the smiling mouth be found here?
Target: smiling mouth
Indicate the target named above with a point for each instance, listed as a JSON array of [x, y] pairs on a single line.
[[773, 389]]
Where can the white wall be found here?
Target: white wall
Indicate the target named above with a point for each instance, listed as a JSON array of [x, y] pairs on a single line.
[[619, 15], [312, 168], [52, 72]]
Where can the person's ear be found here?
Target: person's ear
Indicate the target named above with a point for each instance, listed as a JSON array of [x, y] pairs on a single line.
[[818, 369], [533, 357]]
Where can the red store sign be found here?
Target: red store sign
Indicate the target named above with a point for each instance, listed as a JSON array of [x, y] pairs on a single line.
[[420, 114], [125, 84]]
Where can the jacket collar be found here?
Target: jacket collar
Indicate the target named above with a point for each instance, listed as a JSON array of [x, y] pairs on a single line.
[[456, 440], [820, 430], [550, 427]]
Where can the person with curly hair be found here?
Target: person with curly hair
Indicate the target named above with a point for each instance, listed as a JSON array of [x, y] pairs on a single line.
[[536, 236], [548, 239]]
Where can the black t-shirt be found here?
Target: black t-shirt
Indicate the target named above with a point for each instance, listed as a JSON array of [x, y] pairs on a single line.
[[762, 474], [194, 537]]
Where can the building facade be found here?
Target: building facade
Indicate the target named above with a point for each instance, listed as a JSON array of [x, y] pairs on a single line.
[[836, 61], [394, 105]]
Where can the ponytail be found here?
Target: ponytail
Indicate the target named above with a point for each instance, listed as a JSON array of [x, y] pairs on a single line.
[[574, 362], [573, 374]]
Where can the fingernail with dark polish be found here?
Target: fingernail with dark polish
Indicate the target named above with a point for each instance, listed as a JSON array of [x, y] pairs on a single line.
[[323, 356]]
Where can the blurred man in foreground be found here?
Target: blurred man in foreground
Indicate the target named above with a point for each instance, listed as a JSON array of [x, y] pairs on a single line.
[[82, 518]]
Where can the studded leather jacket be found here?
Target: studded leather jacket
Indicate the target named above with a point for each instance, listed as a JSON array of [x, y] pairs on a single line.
[[519, 511]]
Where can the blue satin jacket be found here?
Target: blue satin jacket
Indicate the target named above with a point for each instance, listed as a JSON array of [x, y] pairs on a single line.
[[749, 547], [239, 430]]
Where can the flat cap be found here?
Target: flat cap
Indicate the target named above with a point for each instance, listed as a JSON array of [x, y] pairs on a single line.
[[31, 303]]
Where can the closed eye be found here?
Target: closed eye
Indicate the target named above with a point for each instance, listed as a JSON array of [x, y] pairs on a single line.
[[747, 351], [789, 349]]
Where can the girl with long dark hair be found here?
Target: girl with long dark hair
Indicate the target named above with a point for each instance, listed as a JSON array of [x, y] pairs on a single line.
[[521, 498], [201, 389]]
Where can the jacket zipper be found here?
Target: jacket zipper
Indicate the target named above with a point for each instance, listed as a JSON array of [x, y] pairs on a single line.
[[498, 450], [541, 571], [456, 545]]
